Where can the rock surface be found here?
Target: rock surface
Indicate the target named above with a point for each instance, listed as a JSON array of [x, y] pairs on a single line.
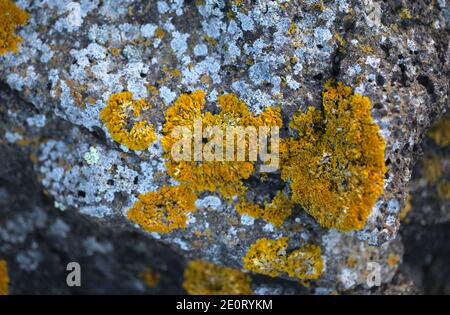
[[270, 53]]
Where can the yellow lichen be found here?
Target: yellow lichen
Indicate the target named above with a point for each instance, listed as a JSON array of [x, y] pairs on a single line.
[[365, 48], [150, 278], [405, 14], [432, 168], [223, 175], [274, 212], [339, 39], [210, 40], [393, 260], [335, 166], [164, 210], [292, 29], [11, 17], [271, 257], [4, 278], [237, 3], [443, 189], [406, 208], [440, 132], [204, 278], [352, 261], [318, 6], [122, 116], [160, 33]]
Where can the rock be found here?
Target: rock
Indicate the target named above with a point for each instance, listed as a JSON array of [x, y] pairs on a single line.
[[273, 53]]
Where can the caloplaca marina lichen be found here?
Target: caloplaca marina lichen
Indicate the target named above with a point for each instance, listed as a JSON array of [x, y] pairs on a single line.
[[163, 210], [4, 278], [123, 118], [150, 277], [225, 176], [11, 17], [335, 166], [272, 257], [205, 278], [274, 212]]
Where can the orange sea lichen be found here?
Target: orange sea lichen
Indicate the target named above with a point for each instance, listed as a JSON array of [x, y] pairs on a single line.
[[204, 278], [440, 132], [150, 278], [274, 212], [335, 166], [11, 17], [406, 208], [4, 278], [432, 168], [271, 258], [443, 189], [122, 116], [164, 210], [224, 175]]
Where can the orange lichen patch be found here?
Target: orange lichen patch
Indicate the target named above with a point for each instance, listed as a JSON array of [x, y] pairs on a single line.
[[150, 278], [443, 189], [440, 132], [339, 39], [352, 261], [393, 260], [11, 17], [122, 116], [160, 33], [318, 6], [271, 257], [406, 209], [237, 3], [224, 175], [164, 210], [335, 166], [204, 278], [292, 29], [115, 51], [274, 212], [432, 168], [365, 48], [210, 40], [405, 14], [4, 278]]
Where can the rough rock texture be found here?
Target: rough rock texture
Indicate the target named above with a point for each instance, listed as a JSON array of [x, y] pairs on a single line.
[[427, 219], [395, 52]]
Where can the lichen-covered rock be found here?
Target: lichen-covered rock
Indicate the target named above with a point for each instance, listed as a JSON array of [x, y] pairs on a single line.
[[260, 57]]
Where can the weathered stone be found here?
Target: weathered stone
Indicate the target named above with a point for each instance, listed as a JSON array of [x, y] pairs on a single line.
[[395, 52]]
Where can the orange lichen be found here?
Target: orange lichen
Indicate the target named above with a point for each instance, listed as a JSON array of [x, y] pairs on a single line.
[[405, 14], [200, 174], [122, 116], [150, 278], [292, 30], [164, 210], [160, 33], [443, 189], [352, 261], [274, 212], [335, 166], [406, 208], [432, 168], [440, 132], [4, 278], [204, 278], [11, 17], [393, 260], [271, 257]]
